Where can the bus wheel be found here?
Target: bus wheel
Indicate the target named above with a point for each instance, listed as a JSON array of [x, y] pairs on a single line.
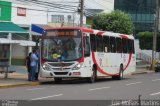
[[57, 80], [92, 79], [120, 76]]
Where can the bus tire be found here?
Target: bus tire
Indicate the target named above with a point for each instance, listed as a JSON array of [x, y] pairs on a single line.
[[120, 76], [92, 79], [58, 80]]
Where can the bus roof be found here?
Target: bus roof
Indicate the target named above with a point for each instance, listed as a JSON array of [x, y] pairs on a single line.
[[93, 31], [107, 33], [80, 28]]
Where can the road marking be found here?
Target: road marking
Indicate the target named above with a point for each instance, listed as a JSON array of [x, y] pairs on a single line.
[[156, 80], [47, 97], [35, 89], [99, 88], [153, 94], [133, 83]]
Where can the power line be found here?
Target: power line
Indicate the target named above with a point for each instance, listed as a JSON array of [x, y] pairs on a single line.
[[38, 9], [48, 4], [55, 3]]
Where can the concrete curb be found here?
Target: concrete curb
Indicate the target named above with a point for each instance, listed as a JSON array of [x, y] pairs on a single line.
[[139, 73], [20, 85], [144, 72]]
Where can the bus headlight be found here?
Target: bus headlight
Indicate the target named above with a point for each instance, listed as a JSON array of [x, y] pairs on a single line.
[[77, 66], [46, 67]]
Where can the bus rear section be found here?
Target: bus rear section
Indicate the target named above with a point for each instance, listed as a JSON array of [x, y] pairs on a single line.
[[113, 54]]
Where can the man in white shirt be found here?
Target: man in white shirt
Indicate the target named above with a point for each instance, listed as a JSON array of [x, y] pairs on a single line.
[[34, 62]]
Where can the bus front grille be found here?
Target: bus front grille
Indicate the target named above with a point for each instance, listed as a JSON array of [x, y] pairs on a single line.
[[61, 69], [60, 73], [60, 64]]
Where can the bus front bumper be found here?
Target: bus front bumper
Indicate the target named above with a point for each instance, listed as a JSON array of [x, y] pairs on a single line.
[[62, 74]]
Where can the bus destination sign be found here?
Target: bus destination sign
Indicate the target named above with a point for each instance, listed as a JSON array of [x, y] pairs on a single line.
[[63, 33]]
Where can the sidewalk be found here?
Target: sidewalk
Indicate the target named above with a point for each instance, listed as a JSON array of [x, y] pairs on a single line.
[[142, 70], [20, 78]]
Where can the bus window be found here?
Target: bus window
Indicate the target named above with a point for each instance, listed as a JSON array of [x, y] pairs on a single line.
[[99, 43], [113, 44], [119, 45], [93, 42], [124, 45], [86, 46], [106, 44], [132, 43], [130, 46]]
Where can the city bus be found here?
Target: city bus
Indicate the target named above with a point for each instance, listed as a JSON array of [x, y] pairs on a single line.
[[77, 52]]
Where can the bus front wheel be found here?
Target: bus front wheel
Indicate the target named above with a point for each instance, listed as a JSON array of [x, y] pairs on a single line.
[[92, 79]]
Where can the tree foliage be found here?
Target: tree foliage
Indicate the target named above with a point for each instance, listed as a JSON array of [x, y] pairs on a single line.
[[116, 21], [146, 40]]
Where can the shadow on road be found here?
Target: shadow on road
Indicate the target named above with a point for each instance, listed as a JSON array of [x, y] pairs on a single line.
[[82, 81]]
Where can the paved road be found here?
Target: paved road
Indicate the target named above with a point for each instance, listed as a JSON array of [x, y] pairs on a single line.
[[147, 85]]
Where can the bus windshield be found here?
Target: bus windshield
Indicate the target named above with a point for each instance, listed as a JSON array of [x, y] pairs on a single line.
[[61, 48]]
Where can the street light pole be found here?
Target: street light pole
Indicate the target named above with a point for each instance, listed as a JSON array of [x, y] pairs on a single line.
[[155, 34]]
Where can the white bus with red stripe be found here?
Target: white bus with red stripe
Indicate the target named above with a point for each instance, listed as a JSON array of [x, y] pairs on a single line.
[[86, 53]]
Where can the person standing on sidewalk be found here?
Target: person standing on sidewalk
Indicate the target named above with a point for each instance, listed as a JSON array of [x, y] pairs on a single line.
[[28, 63], [34, 60]]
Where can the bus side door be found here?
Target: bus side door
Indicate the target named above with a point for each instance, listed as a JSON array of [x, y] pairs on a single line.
[[87, 53]]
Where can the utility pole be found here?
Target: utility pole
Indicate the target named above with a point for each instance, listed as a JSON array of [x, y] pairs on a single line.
[[81, 12], [155, 34], [47, 15]]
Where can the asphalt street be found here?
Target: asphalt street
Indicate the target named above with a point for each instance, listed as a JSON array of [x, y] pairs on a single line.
[[146, 85]]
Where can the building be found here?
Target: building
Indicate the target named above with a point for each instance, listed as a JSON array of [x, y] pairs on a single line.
[[64, 13], [14, 40], [33, 16], [92, 7], [142, 13]]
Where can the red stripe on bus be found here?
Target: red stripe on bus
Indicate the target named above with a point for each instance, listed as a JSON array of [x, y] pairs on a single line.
[[87, 30], [129, 60], [100, 33], [123, 36], [98, 67], [81, 60], [105, 73]]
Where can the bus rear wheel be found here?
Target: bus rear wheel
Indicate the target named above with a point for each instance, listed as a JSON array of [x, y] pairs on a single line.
[[120, 75], [58, 80]]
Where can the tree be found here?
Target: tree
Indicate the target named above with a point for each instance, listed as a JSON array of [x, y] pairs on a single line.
[[146, 40], [116, 21]]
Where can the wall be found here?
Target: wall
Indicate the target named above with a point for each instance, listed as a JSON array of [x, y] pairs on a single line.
[[70, 10], [32, 16], [106, 5], [19, 54]]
